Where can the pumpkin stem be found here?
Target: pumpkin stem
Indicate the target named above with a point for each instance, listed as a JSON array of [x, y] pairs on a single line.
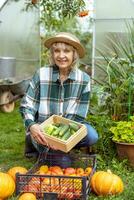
[[109, 171]]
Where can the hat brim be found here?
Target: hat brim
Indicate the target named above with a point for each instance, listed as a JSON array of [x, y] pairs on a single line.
[[80, 49]]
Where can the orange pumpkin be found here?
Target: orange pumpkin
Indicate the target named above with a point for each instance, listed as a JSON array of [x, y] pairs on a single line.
[[7, 185], [105, 183], [27, 196], [18, 169]]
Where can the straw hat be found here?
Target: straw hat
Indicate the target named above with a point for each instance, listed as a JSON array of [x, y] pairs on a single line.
[[66, 38]]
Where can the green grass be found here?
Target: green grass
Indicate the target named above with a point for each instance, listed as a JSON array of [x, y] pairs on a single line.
[[12, 141], [12, 137]]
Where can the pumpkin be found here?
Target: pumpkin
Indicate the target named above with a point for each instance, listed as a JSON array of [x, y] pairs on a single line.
[[7, 185], [105, 183], [27, 196], [18, 169]]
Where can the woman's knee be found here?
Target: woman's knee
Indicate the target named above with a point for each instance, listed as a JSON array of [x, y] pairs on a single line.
[[92, 135], [90, 139]]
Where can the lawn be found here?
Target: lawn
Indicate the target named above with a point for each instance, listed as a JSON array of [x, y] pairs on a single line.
[[12, 137]]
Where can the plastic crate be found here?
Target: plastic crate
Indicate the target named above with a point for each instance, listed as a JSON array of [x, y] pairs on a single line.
[[57, 187]]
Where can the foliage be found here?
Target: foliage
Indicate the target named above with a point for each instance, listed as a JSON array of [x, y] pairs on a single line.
[[123, 131], [105, 146], [53, 12], [97, 101], [118, 69]]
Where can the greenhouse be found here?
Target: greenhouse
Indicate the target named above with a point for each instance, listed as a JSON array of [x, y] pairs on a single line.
[[66, 99]]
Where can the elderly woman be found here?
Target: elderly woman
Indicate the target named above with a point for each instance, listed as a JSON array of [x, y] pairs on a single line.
[[60, 88]]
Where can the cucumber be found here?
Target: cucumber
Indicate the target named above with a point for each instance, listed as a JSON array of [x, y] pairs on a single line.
[[74, 126], [64, 129], [72, 131], [49, 129], [66, 135], [57, 131], [57, 124]]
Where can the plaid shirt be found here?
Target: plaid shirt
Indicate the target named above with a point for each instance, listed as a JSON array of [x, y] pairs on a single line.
[[46, 96]]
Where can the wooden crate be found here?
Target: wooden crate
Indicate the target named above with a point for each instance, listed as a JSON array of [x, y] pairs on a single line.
[[67, 145]]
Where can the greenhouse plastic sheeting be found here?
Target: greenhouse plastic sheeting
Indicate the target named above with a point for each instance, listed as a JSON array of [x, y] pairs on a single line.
[[109, 17], [19, 37]]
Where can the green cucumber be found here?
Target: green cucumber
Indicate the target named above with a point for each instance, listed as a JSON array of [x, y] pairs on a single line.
[[64, 129], [74, 126], [49, 129], [72, 131], [57, 124], [66, 135], [57, 131]]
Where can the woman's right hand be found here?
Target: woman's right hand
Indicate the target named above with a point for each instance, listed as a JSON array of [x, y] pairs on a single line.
[[37, 134]]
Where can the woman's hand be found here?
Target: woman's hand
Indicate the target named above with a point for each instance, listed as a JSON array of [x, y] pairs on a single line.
[[38, 136]]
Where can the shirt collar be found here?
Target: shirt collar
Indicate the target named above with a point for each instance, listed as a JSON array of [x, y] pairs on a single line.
[[55, 73], [72, 75]]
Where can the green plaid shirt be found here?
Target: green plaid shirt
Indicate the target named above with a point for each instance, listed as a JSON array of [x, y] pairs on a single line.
[[46, 96]]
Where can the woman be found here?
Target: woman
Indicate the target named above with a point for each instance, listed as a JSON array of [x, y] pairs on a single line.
[[60, 88]]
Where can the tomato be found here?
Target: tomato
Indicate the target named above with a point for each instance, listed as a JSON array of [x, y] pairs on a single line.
[[80, 171], [69, 171]]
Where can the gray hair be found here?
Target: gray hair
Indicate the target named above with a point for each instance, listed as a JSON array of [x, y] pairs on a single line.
[[75, 57]]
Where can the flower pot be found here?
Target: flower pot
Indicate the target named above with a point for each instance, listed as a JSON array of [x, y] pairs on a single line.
[[126, 150]]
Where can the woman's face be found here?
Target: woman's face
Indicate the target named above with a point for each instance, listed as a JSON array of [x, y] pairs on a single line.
[[63, 55]]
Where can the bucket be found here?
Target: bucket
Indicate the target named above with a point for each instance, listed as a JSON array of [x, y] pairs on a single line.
[[7, 67]]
